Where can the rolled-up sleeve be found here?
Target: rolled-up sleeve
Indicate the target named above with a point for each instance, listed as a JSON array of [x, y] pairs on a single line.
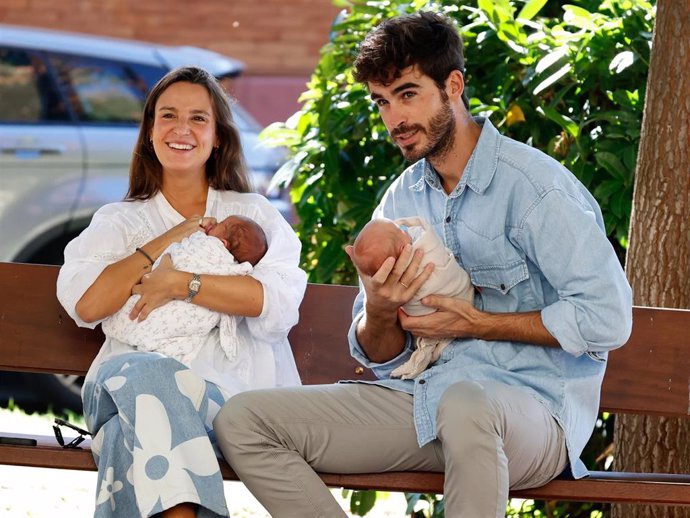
[[283, 281], [86, 256], [593, 312], [380, 370]]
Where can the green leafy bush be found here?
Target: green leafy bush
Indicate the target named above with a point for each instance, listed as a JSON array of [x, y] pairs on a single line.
[[571, 83]]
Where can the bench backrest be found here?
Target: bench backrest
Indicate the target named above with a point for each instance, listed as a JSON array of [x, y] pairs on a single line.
[[650, 375]]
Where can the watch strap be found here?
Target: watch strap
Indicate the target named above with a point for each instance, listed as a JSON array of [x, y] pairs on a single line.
[[193, 287]]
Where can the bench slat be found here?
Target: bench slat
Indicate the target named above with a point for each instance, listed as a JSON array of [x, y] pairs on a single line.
[[601, 487], [36, 334]]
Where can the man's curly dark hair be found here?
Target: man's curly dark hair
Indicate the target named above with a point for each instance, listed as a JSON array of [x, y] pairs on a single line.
[[426, 39]]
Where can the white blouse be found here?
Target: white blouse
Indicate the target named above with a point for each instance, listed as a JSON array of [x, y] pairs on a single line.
[[118, 228]]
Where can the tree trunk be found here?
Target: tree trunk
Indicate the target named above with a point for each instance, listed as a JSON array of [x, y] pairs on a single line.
[[658, 261]]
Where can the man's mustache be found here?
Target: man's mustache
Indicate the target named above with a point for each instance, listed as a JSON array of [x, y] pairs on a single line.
[[406, 129]]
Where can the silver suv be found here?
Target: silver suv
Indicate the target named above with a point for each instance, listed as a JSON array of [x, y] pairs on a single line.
[[70, 107]]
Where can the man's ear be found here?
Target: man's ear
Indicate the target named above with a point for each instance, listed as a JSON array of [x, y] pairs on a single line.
[[455, 84]]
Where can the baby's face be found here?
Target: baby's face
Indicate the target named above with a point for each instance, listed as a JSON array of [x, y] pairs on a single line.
[[221, 230]]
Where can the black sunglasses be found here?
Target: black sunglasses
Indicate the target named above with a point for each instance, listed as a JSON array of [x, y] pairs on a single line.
[[74, 443]]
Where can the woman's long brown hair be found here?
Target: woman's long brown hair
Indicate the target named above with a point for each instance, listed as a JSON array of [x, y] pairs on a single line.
[[225, 168]]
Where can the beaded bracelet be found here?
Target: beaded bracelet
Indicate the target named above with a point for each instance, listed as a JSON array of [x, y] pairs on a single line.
[[145, 255]]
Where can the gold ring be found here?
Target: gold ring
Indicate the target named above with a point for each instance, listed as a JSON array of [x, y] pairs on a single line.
[[401, 282]]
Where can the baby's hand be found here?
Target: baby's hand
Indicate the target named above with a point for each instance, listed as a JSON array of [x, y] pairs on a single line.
[[207, 224]]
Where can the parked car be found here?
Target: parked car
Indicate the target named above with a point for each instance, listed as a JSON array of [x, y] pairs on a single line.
[[70, 107]]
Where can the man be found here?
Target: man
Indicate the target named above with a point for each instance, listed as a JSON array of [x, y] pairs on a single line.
[[513, 399]]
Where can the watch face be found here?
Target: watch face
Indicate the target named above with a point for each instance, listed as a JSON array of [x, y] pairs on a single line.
[[194, 284]]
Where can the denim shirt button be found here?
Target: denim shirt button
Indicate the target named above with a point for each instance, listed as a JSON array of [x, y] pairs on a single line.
[[503, 287], [448, 219], [422, 382]]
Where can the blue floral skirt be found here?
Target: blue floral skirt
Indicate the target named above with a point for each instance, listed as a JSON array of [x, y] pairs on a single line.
[[152, 420]]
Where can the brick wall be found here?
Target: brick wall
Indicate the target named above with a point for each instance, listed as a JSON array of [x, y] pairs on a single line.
[[279, 40]]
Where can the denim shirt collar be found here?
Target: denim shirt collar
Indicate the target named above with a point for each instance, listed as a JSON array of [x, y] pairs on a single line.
[[480, 168]]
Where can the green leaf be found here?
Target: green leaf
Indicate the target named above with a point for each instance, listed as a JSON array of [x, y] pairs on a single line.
[[621, 61], [564, 122], [550, 59], [552, 79], [531, 9], [579, 17], [284, 175], [612, 164], [361, 502], [608, 188]]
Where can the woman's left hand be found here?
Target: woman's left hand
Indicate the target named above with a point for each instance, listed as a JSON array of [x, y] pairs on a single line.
[[155, 289]]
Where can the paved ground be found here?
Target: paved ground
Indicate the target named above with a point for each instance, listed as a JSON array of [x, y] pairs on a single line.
[[38, 493]]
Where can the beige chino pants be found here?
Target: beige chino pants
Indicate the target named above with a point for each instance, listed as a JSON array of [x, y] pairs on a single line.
[[490, 437]]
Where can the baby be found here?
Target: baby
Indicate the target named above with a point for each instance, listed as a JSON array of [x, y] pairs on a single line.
[[383, 238], [178, 329]]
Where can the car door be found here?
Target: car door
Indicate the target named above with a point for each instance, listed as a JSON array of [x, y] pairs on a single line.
[[41, 153], [108, 98]]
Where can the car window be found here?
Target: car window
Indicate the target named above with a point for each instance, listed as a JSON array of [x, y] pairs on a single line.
[[146, 73], [27, 91], [102, 91]]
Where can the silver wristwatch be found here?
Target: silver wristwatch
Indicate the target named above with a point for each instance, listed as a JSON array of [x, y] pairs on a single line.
[[194, 286]]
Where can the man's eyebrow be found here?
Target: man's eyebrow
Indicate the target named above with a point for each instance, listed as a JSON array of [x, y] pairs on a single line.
[[405, 86]]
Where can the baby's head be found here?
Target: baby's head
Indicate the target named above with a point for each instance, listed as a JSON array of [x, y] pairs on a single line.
[[377, 241], [243, 237]]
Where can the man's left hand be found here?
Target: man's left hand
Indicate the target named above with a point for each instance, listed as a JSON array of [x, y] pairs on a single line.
[[453, 319]]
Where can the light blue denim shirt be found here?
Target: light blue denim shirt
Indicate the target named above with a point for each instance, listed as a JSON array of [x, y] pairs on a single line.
[[532, 239]]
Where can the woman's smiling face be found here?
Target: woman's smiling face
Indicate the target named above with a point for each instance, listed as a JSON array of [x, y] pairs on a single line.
[[184, 128]]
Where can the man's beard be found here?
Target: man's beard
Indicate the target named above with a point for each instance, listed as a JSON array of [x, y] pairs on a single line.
[[440, 134]]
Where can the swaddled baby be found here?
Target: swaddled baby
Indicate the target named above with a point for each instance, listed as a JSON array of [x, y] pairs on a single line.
[[383, 238], [178, 329]]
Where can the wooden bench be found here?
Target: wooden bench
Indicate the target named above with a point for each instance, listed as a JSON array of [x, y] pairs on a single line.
[[648, 376]]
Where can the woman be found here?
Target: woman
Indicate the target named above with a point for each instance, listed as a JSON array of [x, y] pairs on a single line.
[[150, 415]]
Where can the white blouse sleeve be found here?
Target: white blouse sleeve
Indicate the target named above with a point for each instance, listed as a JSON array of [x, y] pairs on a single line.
[[102, 243], [283, 280]]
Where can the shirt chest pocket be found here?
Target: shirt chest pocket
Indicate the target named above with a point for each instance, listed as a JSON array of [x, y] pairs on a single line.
[[500, 277]]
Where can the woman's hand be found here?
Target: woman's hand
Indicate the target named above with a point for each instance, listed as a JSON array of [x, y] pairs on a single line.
[[155, 289], [187, 228]]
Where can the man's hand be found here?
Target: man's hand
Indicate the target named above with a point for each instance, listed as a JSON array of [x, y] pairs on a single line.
[[460, 319], [155, 289], [395, 283], [453, 318]]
